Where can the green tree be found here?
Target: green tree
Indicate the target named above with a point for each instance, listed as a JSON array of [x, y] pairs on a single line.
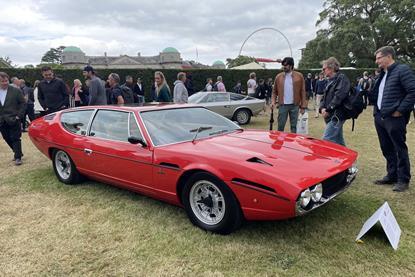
[[356, 28], [8, 61], [240, 60], [53, 56]]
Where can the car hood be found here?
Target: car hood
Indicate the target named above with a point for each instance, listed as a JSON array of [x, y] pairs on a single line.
[[261, 156]]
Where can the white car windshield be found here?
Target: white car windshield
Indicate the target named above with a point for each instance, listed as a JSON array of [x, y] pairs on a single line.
[[184, 124]]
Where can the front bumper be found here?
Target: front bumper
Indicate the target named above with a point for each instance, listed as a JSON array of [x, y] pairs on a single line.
[[332, 187]]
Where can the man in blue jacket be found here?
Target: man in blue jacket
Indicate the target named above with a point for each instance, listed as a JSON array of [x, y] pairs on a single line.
[[394, 93]]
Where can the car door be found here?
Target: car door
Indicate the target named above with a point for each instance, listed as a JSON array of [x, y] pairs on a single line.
[[111, 157], [219, 103], [76, 123]]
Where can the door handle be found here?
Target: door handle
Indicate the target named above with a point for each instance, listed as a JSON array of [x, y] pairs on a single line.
[[88, 151], [226, 106]]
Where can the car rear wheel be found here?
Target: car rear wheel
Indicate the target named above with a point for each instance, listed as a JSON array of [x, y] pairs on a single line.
[[242, 116], [210, 204], [64, 168]]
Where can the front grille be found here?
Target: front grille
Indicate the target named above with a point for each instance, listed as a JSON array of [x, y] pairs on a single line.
[[334, 184]]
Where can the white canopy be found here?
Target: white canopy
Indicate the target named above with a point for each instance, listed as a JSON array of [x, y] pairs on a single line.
[[252, 65]]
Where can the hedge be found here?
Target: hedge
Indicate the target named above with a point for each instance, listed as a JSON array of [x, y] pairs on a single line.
[[230, 77]]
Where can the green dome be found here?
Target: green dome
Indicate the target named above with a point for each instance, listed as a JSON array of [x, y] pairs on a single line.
[[72, 49], [218, 63], [170, 50]]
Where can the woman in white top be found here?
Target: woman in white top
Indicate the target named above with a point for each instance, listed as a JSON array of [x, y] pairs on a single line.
[[252, 85]]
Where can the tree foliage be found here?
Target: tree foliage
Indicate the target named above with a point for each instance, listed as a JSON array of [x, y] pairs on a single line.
[[53, 56], [356, 28], [240, 60]]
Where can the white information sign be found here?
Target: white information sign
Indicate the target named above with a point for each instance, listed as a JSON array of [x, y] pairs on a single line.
[[388, 222]]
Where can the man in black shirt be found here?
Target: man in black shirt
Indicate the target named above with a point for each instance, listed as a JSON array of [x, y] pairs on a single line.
[[52, 93]]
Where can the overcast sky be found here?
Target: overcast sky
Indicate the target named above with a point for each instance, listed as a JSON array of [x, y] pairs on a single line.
[[216, 28]]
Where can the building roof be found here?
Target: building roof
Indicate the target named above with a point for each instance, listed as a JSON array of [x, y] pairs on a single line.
[[218, 63], [170, 50], [71, 49]]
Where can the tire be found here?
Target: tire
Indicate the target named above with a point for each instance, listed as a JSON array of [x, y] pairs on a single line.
[[242, 116], [219, 213], [65, 168]]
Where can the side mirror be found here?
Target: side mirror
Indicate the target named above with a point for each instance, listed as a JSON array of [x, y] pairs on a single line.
[[136, 140]]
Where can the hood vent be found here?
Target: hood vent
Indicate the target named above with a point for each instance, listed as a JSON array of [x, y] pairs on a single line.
[[258, 160], [49, 116]]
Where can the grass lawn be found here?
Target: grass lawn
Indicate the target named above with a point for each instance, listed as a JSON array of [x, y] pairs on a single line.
[[48, 228]]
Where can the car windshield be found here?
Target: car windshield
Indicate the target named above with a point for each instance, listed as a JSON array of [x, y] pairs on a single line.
[[195, 98], [184, 124]]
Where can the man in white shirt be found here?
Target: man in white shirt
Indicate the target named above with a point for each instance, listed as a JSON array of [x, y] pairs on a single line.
[[289, 88], [395, 91], [12, 110]]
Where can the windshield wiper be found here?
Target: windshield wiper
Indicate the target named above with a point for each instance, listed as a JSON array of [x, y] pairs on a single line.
[[198, 130], [218, 132]]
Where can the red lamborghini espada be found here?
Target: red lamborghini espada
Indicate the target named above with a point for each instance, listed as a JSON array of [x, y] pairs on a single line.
[[192, 157]]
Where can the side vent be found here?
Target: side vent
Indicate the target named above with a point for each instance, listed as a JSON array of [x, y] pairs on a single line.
[[258, 160], [252, 184], [170, 165]]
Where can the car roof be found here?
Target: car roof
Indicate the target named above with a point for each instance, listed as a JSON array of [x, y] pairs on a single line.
[[138, 107]]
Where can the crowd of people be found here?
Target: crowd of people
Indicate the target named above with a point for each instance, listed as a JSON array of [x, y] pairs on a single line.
[[391, 90]]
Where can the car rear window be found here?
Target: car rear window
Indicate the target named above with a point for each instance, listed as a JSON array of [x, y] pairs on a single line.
[[76, 122]]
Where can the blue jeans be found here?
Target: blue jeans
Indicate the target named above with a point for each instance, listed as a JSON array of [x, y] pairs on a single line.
[[334, 131], [283, 112]]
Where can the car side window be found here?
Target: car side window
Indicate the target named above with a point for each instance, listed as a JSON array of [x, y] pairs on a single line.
[[76, 122], [237, 97], [134, 130], [111, 125], [221, 97]]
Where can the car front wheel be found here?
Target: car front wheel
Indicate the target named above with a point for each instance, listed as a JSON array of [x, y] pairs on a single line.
[[210, 204], [242, 116], [64, 168]]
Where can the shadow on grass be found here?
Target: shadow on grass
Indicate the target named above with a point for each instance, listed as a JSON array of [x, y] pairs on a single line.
[[340, 211]]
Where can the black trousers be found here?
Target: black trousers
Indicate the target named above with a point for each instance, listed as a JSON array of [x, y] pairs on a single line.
[[30, 112], [12, 134], [392, 138]]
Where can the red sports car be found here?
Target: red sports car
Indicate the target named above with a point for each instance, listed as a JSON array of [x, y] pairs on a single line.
[[192, 157]]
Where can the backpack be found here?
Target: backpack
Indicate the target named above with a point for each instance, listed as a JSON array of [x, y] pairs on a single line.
[[353, 105], [127, 95]]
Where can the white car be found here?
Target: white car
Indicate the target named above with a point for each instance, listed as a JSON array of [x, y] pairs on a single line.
[[237, 107]]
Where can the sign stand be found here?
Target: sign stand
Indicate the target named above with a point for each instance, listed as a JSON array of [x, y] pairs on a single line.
[[388, 222]]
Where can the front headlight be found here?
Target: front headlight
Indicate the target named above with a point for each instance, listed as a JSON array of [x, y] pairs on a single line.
[[353, 169], [305, 198], [317, 192]]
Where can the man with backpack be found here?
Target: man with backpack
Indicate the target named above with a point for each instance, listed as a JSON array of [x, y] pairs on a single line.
[[394, 91], [365, 85], [119, 94], [332, 104]]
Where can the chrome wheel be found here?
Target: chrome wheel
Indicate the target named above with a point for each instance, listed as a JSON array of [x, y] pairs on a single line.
[[63, 165], [243, 117], [207, 202]]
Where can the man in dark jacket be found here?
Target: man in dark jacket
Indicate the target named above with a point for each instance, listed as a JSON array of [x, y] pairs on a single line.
[[30, 103], [12, 110], [52, 92], [116, 90], [394, 92], [331, 106]]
